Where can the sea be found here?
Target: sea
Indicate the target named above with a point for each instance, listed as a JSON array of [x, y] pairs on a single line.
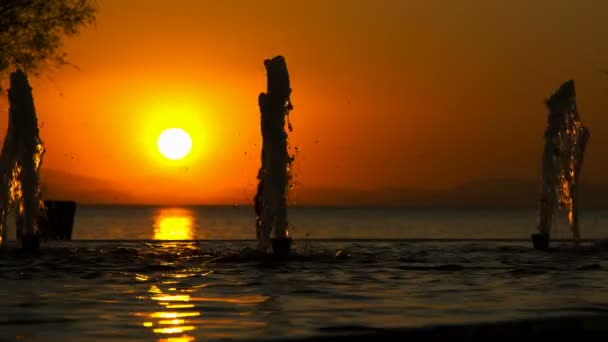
[[146, 273]]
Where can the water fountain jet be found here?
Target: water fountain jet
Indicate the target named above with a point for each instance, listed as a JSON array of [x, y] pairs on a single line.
[[20, 161], [274, 174], [565, 142]]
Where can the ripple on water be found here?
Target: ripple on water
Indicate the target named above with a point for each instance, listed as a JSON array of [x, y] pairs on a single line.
[[214, 290]]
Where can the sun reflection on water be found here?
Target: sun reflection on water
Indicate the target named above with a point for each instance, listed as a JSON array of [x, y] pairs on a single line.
[[170, 323], [177, 339], [178, 314], [178, 294], [174, 224]]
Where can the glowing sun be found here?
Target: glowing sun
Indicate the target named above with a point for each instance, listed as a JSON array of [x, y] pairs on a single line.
[[174, 143]]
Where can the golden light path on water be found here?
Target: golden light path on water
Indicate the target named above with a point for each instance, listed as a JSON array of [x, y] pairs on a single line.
[[174, 321], [178, 300], [174, 224], [181, 294]]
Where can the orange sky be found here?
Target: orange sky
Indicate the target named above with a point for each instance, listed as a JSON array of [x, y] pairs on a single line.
[[391, 93]]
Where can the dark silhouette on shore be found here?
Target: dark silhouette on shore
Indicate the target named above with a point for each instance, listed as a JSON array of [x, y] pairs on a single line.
[[57, 222]]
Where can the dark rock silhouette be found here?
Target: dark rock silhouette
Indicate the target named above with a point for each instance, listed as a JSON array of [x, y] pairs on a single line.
[[56, 222], [270, 201], [540, 241], [565, 142]]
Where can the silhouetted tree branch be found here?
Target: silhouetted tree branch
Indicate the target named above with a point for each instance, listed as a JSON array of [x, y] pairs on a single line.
[[31, 31]]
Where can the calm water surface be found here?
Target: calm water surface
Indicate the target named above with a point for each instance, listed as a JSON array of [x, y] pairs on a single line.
[[117, 283], [227, 223]]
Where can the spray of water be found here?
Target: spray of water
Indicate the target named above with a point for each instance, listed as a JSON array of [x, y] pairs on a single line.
[[20, 161], [275, 173], [565, 142]]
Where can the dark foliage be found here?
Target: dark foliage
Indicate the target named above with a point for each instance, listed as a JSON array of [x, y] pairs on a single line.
[[31, 31]]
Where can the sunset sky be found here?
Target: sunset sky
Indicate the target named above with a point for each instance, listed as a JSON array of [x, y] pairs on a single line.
[[423, 94]]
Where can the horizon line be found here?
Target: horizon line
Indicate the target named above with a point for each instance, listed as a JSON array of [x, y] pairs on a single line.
[[329, 206]]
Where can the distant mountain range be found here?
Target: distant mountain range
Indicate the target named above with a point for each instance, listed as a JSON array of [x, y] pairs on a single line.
[[497, 193], [493, 193], [60, 185]]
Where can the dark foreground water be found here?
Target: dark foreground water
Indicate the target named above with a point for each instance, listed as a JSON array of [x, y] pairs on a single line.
[[117, 281], [185, 291]]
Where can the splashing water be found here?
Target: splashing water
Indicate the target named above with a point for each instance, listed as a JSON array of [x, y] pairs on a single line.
[[275, 174], [20, 161], [565, 141]]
